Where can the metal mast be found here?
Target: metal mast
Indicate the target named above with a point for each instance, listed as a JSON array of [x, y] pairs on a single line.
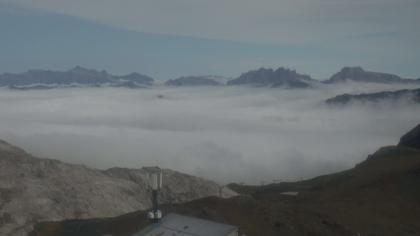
[[155, 183]]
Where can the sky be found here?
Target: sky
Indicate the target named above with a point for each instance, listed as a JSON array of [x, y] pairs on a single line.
[[166, 39], [226, 134]]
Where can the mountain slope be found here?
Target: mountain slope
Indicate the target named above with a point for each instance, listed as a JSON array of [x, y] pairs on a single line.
[[34, 189], [379, 196], [406, 95], [411, 139]]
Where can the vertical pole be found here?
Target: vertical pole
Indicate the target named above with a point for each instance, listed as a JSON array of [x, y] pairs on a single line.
[[155, 181], [155, 205]]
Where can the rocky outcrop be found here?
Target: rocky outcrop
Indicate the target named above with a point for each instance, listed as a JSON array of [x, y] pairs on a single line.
[[411, 139], [358, 74], [192, 81], [281, 77], [406, 95], [34, 189], [76, 77]]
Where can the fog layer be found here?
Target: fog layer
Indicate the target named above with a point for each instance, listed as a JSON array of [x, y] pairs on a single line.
[[226, 134]]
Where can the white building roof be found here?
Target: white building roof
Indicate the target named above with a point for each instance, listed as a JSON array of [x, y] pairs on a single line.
[[179, 225]]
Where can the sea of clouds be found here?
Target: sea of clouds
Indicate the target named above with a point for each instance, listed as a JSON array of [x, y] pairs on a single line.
[[227, 134]]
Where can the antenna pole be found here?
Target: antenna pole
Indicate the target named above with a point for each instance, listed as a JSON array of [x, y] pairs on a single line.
[[155, 182], [155, 205]]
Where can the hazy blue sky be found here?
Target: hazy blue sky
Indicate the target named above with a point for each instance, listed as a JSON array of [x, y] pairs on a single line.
[[169, 38]]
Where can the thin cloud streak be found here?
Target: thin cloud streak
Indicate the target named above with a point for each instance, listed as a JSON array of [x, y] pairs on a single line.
[[266, 21]]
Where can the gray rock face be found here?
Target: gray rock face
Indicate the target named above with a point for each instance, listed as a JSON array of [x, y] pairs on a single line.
[[192, 81], [406, 95], [34, 189], [76, 77], [357, 74], [281, 77], [411, 139]]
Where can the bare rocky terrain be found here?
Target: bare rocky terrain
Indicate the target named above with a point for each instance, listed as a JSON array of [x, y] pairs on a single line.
[[34, 189]]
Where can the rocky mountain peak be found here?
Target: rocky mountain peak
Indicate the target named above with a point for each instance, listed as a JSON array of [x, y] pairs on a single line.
[[358, 74], [281, 77]]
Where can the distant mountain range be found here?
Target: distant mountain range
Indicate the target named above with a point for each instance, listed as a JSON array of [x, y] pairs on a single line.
[[286, 78], [406, 95], [34, 189], [263, 77], [76, 77]]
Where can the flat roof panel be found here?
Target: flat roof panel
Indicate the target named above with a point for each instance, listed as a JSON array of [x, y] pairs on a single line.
[[179, 225]]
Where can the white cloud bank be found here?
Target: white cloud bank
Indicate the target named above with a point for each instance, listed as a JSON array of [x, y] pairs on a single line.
[[224, 134]]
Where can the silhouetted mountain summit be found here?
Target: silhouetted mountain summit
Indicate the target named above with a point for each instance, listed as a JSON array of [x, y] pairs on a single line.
[[358, 74], [281, 77]]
